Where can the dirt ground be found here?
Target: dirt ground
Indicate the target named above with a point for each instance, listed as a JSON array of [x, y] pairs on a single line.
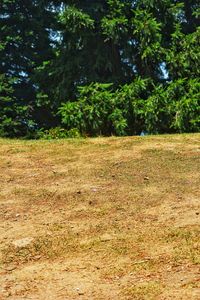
[[105, 218]]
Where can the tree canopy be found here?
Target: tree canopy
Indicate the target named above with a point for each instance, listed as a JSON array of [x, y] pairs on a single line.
[[99, 67]]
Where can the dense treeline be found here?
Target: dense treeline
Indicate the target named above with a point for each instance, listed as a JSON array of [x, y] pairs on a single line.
[[70, 68]]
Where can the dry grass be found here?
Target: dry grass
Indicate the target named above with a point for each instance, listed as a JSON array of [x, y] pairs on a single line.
[[109, 218]]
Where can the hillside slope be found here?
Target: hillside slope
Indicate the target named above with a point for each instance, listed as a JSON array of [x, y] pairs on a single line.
[[104, 218]]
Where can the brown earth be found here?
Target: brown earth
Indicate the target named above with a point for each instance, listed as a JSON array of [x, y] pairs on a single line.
[[104, 218]]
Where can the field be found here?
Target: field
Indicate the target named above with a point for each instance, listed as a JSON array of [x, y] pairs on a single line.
[[103, 218]]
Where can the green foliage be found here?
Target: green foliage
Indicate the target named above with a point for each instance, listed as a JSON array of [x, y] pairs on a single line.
[[75, 20], [101, 111], [174, 107], [24, 45], [115, 24], [58, 133], [118, 122], [183, 58], [147, 31], [135, 107], [90, 113], [187, 108], [102, 67], [12, 115]]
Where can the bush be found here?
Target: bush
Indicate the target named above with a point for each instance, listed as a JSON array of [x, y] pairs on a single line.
[[102, 111], [58, 133], [90, 114], [131, 109], [187, 109]]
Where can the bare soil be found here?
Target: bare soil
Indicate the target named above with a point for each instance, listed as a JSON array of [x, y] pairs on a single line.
[[104, 218]]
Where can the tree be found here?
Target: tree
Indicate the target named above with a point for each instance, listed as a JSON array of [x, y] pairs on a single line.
[[50, 48], [24, 44], [85, 53], [13, 122]]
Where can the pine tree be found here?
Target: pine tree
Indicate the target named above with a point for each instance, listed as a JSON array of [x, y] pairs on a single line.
[[24, 45]]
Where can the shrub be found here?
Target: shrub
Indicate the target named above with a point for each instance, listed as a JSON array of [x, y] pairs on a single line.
[[102, 111], [58, 133], [133, 108]]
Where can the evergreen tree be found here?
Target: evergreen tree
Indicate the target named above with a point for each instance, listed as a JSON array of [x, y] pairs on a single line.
[[13, 117], [24, 45], [50, 48]]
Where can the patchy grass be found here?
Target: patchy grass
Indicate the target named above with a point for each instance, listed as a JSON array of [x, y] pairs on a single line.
[[186, 244], [107, 218], [143, 291]]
